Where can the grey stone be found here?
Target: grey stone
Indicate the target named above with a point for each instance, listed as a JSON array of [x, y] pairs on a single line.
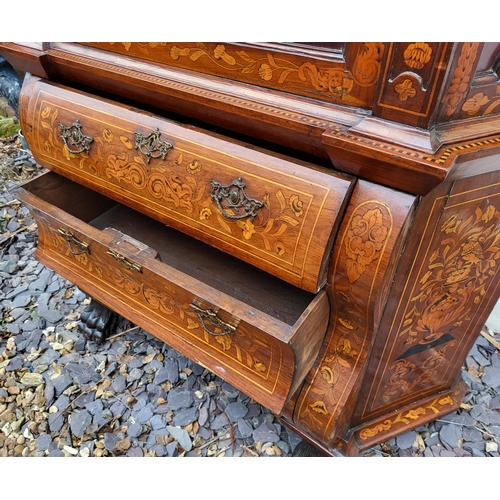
[[204, 433], [21, 300], [492, 376], [157, 422], [178, 399], [56, 421], [219, 422], [406, 440], [229, 390], [463, 419], [94, 407], [61, 383], [56, 453], [495, 403], [172, 369], [450, 434], [134, 430], [186, 416], [119, 383], [471, 434], [162, 409], [181, 436], [79, 422], [110, 440], [38, 284], [135, 451], [172, 449], [15, 363], [161, 376], [265, 432], [144, 414], [8, 266], [244, 428], [43, 441], [134, 374], [203, 416], [235, 411], [50, 315], [47, 358]]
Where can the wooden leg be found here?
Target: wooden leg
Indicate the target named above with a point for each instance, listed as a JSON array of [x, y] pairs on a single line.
[[97, 322], [306, 449]]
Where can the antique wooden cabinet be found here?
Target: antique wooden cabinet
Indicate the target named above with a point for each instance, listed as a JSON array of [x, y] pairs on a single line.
[[318, 224]]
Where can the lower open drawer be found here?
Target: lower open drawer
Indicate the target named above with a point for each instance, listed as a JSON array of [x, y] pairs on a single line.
[[255, 331]]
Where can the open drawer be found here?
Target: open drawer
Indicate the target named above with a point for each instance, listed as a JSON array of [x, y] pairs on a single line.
[[255, 331], [275, 212]]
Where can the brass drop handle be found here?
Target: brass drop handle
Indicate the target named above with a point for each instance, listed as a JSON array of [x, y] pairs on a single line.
[[124, 261], [233, 197], [151, 146], [73, 137], [73, 242], [211, 317]]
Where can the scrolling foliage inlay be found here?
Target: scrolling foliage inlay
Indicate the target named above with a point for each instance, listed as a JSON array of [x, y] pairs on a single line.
[[458, 274], [184, 184], [359, 256], [253, 352]]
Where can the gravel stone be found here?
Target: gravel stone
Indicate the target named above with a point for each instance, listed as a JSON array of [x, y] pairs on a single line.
[[79, 422], [406, 440], [235, 411], [265, 432], [32, 379], [61, 383], [186, 416], [134, 430], [178, 399], [181, 436], [110, 440], [43, 441]]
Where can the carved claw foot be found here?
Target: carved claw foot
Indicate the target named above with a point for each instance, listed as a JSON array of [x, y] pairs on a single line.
[[97, 322], [305, 449]]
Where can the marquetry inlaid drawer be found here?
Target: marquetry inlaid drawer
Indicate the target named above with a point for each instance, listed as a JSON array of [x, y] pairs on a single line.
[[260, 334], [274, 212]]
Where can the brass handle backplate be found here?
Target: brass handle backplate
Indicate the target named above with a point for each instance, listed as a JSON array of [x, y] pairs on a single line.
[[151, 146], [212, 318], [124, 261], [74, 139], [233, 197], [73, 241]]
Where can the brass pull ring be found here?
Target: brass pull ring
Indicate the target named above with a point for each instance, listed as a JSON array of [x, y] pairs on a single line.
[[233, 197], [151, 146], [124, 261], [73, 241], [212, 318], [73, 137]]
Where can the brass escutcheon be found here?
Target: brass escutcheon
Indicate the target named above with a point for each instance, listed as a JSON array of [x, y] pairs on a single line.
[[151, 146], [74, 137], [233, 197], [214, 320], [73, 241], [124, 261]]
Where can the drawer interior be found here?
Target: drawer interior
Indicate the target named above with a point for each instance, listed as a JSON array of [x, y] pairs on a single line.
[[202, 262]]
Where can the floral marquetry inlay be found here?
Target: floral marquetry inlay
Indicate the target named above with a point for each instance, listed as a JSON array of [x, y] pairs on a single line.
[[456, 278], [184, 183], [363, 244], [252, 351], [336, 81]]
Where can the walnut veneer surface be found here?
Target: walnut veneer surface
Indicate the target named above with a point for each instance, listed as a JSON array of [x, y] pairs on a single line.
[[333, 238]]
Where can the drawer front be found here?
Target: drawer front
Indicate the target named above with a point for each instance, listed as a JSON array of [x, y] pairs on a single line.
[[273, 212], [256, 353]]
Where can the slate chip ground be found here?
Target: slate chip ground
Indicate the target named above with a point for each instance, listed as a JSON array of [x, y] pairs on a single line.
[[134, 396]]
